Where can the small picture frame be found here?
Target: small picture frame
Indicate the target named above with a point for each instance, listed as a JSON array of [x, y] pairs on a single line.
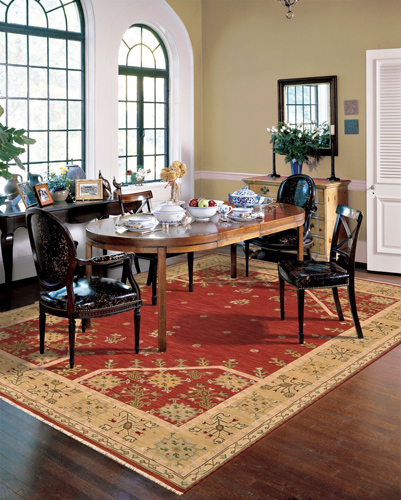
[[43, 195], [89, 189], [27, 194]]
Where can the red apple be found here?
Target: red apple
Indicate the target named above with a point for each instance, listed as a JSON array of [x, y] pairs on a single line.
[[212, 203], [193, 203]]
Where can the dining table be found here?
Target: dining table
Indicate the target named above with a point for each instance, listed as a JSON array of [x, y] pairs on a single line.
[[193, 236]]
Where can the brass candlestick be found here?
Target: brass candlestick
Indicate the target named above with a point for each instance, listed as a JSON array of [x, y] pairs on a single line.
[[333, 173]]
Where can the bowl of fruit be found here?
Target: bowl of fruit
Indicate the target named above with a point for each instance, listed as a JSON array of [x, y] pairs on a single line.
[[202, 209]]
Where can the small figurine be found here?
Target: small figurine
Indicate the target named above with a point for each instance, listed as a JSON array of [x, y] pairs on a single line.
[[106, 186], [117, 191]]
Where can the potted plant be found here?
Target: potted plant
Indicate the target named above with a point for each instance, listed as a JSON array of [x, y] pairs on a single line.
[[11, 142], [59, 184], [299, 144]]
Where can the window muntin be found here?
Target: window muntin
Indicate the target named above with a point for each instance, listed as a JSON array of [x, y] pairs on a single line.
[[42, 67], [143, 102]]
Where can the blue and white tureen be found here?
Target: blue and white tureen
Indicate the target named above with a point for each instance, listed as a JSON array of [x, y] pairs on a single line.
[[244, 198]]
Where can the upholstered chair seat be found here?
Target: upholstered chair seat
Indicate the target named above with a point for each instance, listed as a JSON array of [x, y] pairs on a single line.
[[313, 274]]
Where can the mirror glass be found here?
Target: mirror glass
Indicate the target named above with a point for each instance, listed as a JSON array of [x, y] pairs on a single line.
[[307, 100]]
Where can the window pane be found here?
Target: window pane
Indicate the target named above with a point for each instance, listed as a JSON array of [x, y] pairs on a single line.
[[132, 88], [122, 151], [149, 142], [58, 145], [73, 21], [2, 48], [37, 115], [17, 12], [121, 169], [149, 115], [134, 57], [122, 115], [17, 115], [57, 53], [37, 16], [17, 81], [2, 81], [291, 95], [149, 162], [160, 141], [160, 163], [38, 82], [132, 163], [148, 61], [74, 85], [74, 55], [160, 118], [56, 19], [17, 49], [132, 121], [2, 13], [132, 142], [38, 151], [37, 51], [160, 89], [58, 115], [160, 59], [149, 39], [122, 87], [149, 89], [132, 36], [57, 84], [122, 54], [74, 115], [74, 145]]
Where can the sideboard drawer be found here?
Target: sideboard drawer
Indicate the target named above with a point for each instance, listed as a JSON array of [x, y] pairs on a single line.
[[317, 226]]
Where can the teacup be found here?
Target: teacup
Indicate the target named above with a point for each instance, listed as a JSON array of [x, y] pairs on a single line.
[[224, 210]]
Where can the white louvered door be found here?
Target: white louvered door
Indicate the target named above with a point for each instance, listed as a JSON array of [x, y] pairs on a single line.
[[383, 172]]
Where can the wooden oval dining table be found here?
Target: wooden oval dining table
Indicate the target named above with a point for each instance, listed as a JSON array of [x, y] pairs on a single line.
[[193, 237]]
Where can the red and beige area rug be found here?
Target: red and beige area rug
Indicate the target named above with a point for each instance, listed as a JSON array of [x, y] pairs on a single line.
[[232, 371]]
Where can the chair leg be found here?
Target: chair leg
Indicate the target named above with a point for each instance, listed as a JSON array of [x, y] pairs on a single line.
[[137, 326], [301, 300], [136, 264], [309, 253], [246, 258], [352, 304], [42, 329], [71, 335], [152, 280], [83, 327], [337, 303], [190, 258], [281, 283]]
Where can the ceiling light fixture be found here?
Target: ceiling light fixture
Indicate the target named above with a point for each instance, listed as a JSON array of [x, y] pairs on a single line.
[[289, 4]]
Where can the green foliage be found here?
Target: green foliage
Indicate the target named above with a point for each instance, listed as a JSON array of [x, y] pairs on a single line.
[[297, 143], [58, 182]]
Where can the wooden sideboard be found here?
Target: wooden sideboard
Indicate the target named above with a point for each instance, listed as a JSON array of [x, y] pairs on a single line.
[[328, 195]]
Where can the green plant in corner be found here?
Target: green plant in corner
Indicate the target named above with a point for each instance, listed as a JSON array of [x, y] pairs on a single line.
[[11, 141]]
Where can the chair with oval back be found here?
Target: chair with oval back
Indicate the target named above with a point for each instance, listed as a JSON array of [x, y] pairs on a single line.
[[129, 205], [65, 291], [297, 189], [339, 271]]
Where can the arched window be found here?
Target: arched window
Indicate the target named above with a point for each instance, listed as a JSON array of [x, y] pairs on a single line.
[[42, 78], [143, 102]]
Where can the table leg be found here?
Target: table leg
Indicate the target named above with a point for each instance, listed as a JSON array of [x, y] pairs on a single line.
[[234, 260], [88, 272], [300, 253], [7, 245], [161, 299]]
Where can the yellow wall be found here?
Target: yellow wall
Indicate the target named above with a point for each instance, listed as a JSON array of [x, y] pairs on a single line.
[[247, 45]]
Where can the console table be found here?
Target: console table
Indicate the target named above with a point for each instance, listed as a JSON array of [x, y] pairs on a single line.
[[328, 195], [13, 217]]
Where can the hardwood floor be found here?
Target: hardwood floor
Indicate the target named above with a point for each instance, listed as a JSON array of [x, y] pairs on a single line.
[[344, 446]]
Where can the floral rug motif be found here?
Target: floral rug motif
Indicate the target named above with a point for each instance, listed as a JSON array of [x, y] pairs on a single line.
[[232, 371]]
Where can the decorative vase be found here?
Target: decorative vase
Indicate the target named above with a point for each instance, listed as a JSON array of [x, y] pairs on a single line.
[[296, 167], [10, 187], [60, 195], [34, 179], [74, 172]]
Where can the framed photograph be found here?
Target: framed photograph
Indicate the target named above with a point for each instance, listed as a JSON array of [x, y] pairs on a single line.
[[89, 189], [43, 194], [27, 194]]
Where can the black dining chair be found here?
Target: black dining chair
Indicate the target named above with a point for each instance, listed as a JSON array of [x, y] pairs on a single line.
[[297, 189], [65, 291], [129, 205], [339, 271]]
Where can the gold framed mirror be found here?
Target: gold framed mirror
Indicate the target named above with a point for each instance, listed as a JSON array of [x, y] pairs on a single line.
[[306, 100]]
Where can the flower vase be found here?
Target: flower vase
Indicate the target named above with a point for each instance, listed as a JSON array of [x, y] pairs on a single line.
[[175, 191], [60, 195], [296, 167]]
